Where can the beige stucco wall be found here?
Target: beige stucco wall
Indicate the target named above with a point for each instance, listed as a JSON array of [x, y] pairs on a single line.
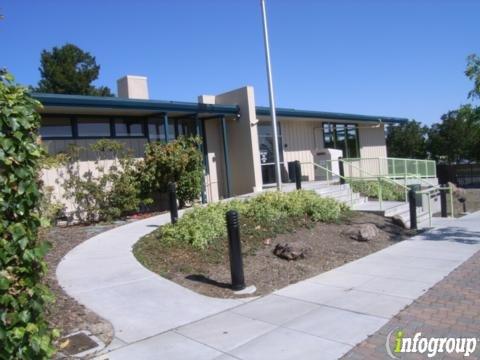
[[302, 139], [243, 148], [299, 143], [215, 179]]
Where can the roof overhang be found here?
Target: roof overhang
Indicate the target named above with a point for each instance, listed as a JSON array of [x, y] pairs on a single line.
[[81, 104], [323, 115]]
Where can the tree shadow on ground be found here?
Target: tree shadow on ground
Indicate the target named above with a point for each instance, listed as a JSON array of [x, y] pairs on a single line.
[[452, 234]]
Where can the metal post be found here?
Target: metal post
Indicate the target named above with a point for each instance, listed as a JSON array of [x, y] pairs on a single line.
[[226, 158], [298, 175], [443, 200], [276, 153], [199, 131], [165, 127], [172, 197], [380, 195], [429, 209], [235, 251], [451, 200], [413, 209], [341, 170]]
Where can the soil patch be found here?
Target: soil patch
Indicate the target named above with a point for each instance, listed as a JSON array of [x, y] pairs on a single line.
[[66, 314], [208, 272]]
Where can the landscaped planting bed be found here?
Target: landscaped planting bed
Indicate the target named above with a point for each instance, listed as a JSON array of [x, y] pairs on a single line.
[[194, 252]]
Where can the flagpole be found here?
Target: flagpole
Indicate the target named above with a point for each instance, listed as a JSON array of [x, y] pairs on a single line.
[[276, 152]]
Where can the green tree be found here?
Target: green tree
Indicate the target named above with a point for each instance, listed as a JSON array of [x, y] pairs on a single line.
[[407, 140], [473, 73], [24, 333], [69, 70], [457, 136]]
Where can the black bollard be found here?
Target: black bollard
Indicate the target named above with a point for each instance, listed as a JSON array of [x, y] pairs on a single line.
[[235, 251], [341, 170], [172, 200], [298, 175], [443, 201], [412, 201]]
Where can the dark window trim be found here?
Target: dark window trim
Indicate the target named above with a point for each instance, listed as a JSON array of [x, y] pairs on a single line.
[[333, 134], [63, 116], [74, 125]]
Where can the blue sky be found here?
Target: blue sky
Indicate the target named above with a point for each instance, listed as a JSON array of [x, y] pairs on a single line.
[[385, 57]]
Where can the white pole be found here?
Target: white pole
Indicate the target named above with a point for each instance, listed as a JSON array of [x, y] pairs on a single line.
[[276, 153]]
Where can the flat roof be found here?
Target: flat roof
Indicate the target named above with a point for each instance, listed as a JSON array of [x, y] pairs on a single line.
[[83, 101], [294, 113], [102, 102]]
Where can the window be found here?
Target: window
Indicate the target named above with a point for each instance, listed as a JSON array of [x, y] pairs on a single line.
[[156, 129], [129, 127], [93, 127], [56, 127], [342, 137], [265, 140]]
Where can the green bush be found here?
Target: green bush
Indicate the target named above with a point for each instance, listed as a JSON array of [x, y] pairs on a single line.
[[109, 192], [370, 188], [178, 161], [24, 333], [202, 226]]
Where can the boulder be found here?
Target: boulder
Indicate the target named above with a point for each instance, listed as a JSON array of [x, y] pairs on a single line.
[[363, 232], [291, 251]]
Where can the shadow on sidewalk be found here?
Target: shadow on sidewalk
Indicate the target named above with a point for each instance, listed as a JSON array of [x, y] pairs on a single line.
[[452, 234]]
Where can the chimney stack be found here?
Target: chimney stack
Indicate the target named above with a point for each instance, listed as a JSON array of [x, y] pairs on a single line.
[[133, 87]]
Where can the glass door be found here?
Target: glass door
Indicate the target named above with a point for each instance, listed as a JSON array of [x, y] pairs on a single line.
[[265, 137]]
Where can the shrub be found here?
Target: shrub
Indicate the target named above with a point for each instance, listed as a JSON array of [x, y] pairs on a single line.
[[111, 190], [178, 161], [370, 188], [24, 333], [202, 226]]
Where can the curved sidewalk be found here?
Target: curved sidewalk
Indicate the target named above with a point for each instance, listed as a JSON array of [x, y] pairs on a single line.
[[320, 318], [103, 274]]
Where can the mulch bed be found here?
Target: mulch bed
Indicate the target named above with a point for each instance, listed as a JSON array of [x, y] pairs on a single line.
[[66, 314], [209, 274]]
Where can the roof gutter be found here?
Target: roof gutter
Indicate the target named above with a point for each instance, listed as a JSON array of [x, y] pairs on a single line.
[[261, 110], [134, 104]]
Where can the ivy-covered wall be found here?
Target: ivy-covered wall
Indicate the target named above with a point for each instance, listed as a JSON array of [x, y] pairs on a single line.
[[24, 333]]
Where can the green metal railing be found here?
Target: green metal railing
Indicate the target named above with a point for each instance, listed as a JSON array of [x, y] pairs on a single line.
[[394, 168], [386, 170]]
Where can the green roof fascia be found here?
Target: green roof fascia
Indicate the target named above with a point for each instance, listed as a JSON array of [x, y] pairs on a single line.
[[263, 110], [133, 104]]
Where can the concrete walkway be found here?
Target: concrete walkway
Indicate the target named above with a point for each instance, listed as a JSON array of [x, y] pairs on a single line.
[[320, 318], [103, 275]]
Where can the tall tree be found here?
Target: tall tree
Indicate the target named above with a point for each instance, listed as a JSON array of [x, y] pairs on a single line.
[[473, 73], [69, 70], [457, 136], [407, 140]]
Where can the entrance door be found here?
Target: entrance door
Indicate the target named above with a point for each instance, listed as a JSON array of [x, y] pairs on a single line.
[[265, 137]]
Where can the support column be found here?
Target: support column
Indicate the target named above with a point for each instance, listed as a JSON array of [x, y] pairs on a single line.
[[199, 131], [225, 155], [165, 126]]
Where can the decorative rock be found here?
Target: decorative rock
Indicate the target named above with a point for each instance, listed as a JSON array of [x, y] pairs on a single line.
[[364, 232], [291, 251]]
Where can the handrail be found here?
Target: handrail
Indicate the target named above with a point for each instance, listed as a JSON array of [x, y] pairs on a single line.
[[375, 176], [328, 171], [429, 190]]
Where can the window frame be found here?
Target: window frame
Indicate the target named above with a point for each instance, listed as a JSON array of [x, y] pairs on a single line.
[[69, 117], [332, 126]]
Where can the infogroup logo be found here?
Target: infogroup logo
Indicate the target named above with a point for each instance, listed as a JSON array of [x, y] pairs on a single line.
[[431, 346]]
